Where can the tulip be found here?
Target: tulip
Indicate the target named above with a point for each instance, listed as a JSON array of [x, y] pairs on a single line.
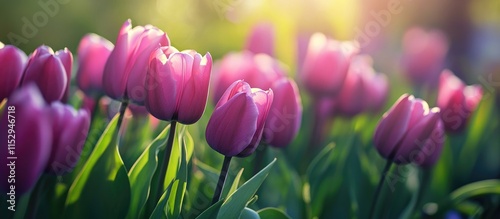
[[261, 39], [93, 52], [67, 60], [25, 114], [259, 71], [178, 85], [48, 70], [378, 88], [424, 54], [431, 151], [285, 116], [125, 71], [326, 64], [404, 129], [69, 132], [456, 101], [13, 61], [236, 125]]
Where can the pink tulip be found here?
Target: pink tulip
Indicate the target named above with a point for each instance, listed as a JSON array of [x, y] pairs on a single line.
[[66, 58], [285, 116], [13, 62], [424, 55], [259, 71], [456, 101], [26, 115], [178, 85], [261, 39], [326, 64], [49, 71], [403, 130], [126, 68], [236, 125], [93, 52], [69, 132], [431, 151]]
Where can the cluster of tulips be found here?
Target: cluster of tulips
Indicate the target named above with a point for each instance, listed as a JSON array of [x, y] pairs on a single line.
[[256, 101]]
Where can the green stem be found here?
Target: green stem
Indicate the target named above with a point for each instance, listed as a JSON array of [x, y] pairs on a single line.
[[123, 107], [379, 188], [36, 194], [426, 177], [165, 161], [222, 179]]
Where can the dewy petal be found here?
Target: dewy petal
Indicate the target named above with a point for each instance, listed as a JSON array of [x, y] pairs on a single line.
[[393, 125], [233, 125]]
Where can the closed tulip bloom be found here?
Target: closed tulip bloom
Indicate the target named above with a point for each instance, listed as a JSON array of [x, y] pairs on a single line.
[[326, 64], [236, 125], [259, 71], [125, 71], [66, 58], [424, 55], [93, 52], [285, 116], [69, 132], [261, 39], [404, 129], [456, 101], [13, 62], [431, 151], [47, 69], [33, 138], [378, 88], [178, 85]]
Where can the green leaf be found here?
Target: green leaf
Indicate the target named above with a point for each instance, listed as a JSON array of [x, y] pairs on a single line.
[[212, 211], [272, 213], [142, 171], [249, 213], [475, 189], [236, 202], [179, 188], [234, 186], [160, 211], [103, 184]]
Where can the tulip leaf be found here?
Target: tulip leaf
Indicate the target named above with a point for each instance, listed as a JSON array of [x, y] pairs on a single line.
[[160, 211], [103, 184], [272, 213], [475, 189], [178, 189], [141, 173], [212, 211], [234, 185], [236, 202]]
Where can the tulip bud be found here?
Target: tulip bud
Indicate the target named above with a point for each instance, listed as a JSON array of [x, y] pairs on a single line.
[[47, 69], [424, 55], [67, 60], [236, 125], [69, 132], [125, 71], [326, 64], [26, 139], [13, 62], [402, 132], [259, 71], [178, 85], [432, 148], [456, 101], [261, 39], [93, 52], [285, 116]]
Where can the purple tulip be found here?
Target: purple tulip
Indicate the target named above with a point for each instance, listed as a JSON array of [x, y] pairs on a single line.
[[326, 64], [69, 132], [49, 71], [431, 151], [25, 125], [261, 39], [178, 85], [93, 52], [403, 131], [67, 60], [236, 125], [259, 71], [424, 54], [126, 68], [285, 116], [13, 62], [456, 101]]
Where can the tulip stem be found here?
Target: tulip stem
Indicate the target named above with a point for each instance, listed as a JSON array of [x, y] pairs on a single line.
[[379, 188], [166, 159], [31, 211], [123, 107], [222, 179]]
